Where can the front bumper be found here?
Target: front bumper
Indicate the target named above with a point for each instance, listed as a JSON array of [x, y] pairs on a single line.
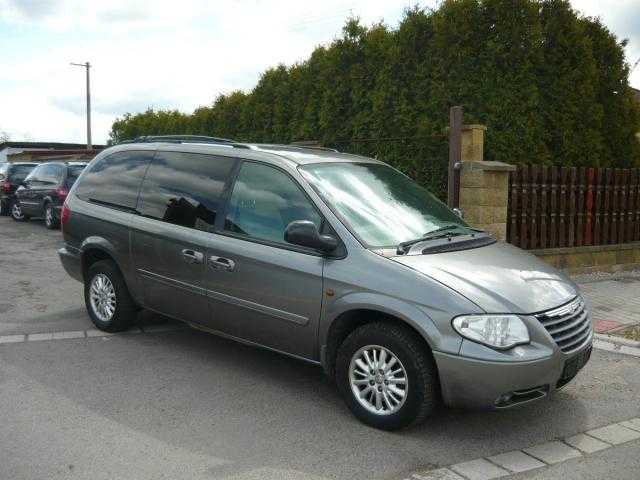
[[72, 263], [481, 384]]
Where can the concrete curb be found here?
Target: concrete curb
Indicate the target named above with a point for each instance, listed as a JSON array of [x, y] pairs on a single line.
[[617, 340], [537, 456]]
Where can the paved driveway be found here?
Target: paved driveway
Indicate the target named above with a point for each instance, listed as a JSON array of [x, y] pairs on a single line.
[[165, 401]]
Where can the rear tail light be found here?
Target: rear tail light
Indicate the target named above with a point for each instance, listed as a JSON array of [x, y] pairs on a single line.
[[62, 194], [64, 214], [6, 187]]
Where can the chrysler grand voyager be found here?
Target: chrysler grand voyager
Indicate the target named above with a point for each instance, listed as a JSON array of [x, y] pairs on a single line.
[[335, 259]]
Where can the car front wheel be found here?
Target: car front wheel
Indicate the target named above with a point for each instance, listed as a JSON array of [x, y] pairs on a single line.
[[387, 376]]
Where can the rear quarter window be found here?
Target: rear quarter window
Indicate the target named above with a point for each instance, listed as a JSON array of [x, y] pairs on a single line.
[[114, 180]]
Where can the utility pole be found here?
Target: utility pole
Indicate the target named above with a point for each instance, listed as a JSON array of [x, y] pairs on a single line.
[[87, 65]]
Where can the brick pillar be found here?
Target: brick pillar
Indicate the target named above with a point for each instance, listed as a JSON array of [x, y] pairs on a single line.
[[484, 186], [473, 143]]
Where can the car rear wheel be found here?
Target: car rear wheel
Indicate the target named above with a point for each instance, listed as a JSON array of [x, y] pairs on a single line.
[[386, 376], [107, 298], [50, 220], [16, 213]]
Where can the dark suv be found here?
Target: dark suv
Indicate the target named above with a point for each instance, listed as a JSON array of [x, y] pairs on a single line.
[[11, 176], [44, 191]]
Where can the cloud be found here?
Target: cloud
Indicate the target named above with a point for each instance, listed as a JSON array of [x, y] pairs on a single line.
[[623, 19], [175, 55], [28, 10]]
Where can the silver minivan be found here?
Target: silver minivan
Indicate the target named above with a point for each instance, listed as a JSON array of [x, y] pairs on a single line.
[[334, 259]]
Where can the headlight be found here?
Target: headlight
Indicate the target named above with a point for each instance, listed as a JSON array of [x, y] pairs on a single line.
[[496, 331]]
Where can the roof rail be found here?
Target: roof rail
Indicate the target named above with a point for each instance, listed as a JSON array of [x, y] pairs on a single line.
[[314, 147], [179, 139]]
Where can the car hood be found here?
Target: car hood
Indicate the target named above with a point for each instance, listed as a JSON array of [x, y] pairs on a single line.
[[499, 278]]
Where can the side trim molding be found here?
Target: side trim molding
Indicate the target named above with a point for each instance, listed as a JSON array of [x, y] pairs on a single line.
[[222, 297]]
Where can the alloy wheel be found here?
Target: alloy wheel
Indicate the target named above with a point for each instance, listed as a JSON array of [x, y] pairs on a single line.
[[378, 380], [48, 216], [102, 295], [16, 211]]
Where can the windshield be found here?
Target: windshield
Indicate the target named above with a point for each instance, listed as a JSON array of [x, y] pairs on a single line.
[[380, 205]]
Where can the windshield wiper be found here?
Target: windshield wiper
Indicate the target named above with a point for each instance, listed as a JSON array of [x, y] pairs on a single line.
[[403, 246]]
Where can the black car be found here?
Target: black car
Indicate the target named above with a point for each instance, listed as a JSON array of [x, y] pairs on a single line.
[[44, 191], [11, 176]]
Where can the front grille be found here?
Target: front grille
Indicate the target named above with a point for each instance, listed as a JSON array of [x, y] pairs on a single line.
[[569, 325]]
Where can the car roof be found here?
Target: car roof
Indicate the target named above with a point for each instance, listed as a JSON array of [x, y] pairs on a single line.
[[273, 153]]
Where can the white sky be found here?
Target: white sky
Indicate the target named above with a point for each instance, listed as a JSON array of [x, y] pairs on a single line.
[[168, 54]]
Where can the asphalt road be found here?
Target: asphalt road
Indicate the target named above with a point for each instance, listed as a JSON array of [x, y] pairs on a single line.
[[186, 404]]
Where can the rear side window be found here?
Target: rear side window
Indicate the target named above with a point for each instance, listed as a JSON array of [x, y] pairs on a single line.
[[185, 188], [51, 173], [20, 172], [114, 180]]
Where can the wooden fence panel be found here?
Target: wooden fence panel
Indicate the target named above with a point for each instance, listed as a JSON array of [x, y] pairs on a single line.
[[571, 223], [553, 213], [589, 203], [598, 206], [553, 206], [544, 211], [533, 188], [580, 207]]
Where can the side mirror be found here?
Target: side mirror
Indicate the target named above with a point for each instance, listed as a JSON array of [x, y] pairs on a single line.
[[306, 234], [458, 212]]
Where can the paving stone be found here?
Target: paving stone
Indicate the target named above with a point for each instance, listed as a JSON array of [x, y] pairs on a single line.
[[614, 434], [553, 452], [586, 443], [67, 335], [479, 469], [633, 424], [601, 326], [98, 333], [35, 337], [439, 474], [11, 338], [516, 461]]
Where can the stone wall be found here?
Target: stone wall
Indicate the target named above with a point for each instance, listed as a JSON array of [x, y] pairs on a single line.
[[600, 258]]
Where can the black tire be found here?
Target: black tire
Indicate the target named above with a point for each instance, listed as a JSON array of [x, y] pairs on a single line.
[[50, 220], [14, 215], [423, 393], [125, 309]]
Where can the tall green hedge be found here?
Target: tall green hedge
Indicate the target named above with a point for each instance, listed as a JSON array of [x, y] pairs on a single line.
[[551, 85]]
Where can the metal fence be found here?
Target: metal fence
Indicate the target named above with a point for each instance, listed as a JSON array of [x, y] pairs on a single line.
[[553, 206]]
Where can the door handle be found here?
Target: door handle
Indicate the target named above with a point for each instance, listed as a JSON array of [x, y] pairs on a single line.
[[191, 256], [221, 263]]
